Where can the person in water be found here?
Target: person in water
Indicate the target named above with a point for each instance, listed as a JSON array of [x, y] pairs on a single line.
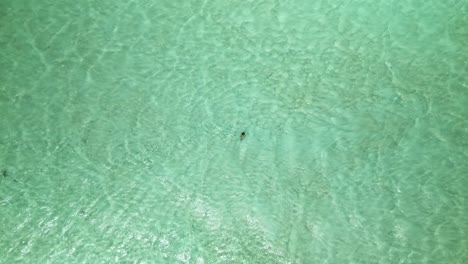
[[242, 136]]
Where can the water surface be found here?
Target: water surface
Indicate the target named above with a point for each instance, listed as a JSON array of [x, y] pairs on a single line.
[[120, 131]]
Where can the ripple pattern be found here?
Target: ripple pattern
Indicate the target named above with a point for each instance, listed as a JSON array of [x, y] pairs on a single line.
[[121, 123]]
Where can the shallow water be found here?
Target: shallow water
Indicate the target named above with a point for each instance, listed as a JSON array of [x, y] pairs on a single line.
[[120, 131]]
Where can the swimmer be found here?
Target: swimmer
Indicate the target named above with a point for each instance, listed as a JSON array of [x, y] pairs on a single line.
[[242, 136]]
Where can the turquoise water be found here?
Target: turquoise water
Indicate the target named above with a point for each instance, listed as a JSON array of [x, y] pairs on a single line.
[[119, 139]]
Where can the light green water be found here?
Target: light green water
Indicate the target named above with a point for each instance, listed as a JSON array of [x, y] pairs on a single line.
[[120, 130]]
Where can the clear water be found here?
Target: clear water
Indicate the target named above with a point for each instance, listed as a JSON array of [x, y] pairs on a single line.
[[119, 139]]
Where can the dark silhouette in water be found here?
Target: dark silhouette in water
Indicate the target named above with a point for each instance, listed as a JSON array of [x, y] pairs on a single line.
[[4, 172], [242, 136]]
